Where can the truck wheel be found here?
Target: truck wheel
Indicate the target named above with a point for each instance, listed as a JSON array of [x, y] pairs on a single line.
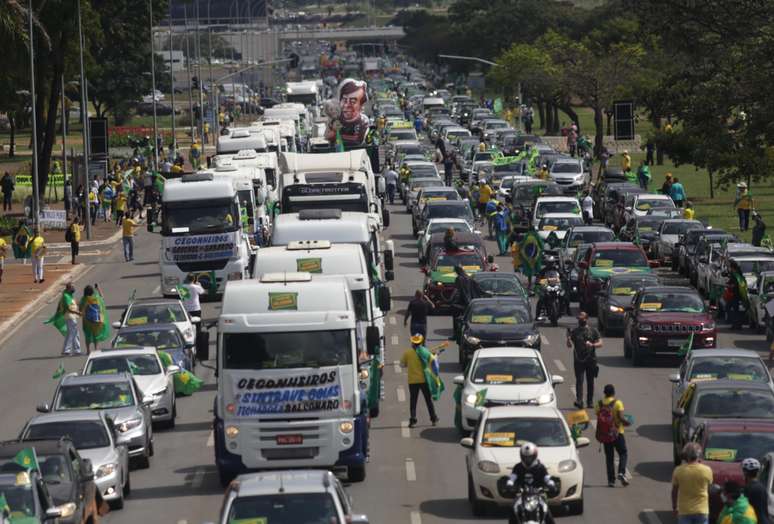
[[356, 473]]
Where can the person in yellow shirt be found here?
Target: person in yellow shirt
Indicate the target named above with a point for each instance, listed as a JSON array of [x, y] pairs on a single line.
[[3, 251], [690, 486], [484, 195], [74, 232], [543, 173], [744, 203], [120, 207], [38, 252], [688, 211], [416, 381], [608, 405], [128, 226], [626, 161]]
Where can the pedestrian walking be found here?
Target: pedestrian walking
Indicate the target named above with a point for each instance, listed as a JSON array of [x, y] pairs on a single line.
[[677, 192], [736, 507], [120, 206], [129, 227], [73, 236], [643, 175], [37, 255], [65, 320], [690, 487], [7, 185], [759, 229], [484, 195], [418, 309], [626, 161], [743, 203], [96, 325], [391, 179], [666, 186], [756, 493], [587, 206], [610, 432], [416, 361], [501, 229], [67, 197], [448, 168], [584, 341], [650, 148]]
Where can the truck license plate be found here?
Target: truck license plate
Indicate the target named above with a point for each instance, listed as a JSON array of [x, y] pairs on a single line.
[[284, 440], [677, 341]]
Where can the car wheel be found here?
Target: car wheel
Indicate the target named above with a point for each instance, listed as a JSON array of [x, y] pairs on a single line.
[[637, 357], [151, 449], [128, 486], [356, 473], [117, 503], [575, 507], [143, 462], [627, 348], [477, 507]]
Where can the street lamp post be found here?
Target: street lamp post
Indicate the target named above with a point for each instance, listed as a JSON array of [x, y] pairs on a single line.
[[172, 77], [85, 116], [153, 89], [35, 189]]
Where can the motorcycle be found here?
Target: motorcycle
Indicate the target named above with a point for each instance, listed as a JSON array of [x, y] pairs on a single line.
[[553, 297], [530, 507]]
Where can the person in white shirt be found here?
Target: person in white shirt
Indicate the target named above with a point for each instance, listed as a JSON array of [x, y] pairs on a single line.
[[587, 204], [192, 291], [391, 179]]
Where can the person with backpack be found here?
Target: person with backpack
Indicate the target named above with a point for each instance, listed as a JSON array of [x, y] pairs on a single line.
[[610, 433], [584, 341]]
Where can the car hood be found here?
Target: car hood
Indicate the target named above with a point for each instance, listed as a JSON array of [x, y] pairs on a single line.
[[565, 176], [99, 456], [500, 331], [509, 393], [621, 300], [603, 273], [120, 415], [150, 384], [674, 318], [509, 457]]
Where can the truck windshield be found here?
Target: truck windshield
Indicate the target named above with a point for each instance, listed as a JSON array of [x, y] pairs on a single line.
[[299, 349], [193, 217], [291, 508], [306, 99]]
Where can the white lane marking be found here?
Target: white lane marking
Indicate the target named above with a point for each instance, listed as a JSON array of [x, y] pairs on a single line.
[[182, 521], [411, 472], [394, 340], [397, 366], [156, 290], [401, 394], [198, 478], [544, 340], [393, 321], [211, 439], [63, 260], [560, 365], [651, 517], [416, 517], [405, 432]]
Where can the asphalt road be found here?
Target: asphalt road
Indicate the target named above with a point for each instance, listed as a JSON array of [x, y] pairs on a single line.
[[414, 476]]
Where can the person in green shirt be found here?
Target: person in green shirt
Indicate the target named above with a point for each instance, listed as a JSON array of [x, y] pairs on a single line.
[[736, 507], [643, 175]]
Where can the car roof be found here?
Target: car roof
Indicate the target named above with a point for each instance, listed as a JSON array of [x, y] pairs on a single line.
[[740, 425], [655, 196], [69, 415], [458, 203], [615, 245], [556, 199], [515, 300], [732, 385], [722, 352], [439, 220], [103, 378], [111, 352], [161, 326], [288, 481], [566, 160], [523, 412], [634, 276], [589, 228], [47, 446], [670, 289], [482, 275], [559, 215], [462, 238], [153, 301], [516, 352]]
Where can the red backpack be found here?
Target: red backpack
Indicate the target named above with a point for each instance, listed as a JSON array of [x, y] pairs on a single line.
[[607, 430]]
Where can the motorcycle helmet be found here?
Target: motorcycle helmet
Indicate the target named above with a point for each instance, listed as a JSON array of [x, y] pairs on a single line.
[[528, 454], [750, 465]]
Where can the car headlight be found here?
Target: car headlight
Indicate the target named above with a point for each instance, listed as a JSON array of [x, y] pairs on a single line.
[[231, 431], [470, 400], [645, 327], [67, 510], [130, 424], [616, 309], [161, 392], [487, 466], [707, 326], [105, 469], [472, 340], [171, 281], [346, 427], [532, 339], [567, 466], [546, 398]]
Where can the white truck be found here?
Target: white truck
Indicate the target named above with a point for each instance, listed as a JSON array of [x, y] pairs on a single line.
[[290, 389], [342, 181], [239, 139], [201, 234]]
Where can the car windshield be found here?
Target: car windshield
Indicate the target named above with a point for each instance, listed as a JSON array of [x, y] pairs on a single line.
[[54, 469], [288, 508], [468, 261], [17, 490], [629, 286], [735, 446], [730, 368], [566, 167], [483, 156], [646, 225], [618, 258], [562, 206], [441, 227], [162, 339], [735, 403], [501, 286], [85, 434], [141, 314], [498, 313], [512, 432], [416, 185], [402, 134], [507, 370], [297, 349], [437, 194], [461, 211], [755, 266], [589, 237], [556, 223], [668, 302], [98, 395], [200, 216], [134, 364], [644, 204], [527, 191], [679, 228]]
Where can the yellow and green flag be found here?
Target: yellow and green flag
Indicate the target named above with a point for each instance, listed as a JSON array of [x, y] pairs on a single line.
[[59, 372], [58, 319], [26, 458], [4, 507], [685, 348], [96, 324]]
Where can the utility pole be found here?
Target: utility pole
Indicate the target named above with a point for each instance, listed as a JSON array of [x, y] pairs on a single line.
[[172, 76], [85, 117], [199, 76], [153, 89], [64, 135], [188, 68], [35, 188]]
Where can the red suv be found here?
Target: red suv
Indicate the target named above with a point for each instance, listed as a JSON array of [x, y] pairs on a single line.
[[663, 319]]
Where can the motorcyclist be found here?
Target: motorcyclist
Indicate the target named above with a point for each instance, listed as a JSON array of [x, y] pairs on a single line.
[[530, 472], [549, 273]]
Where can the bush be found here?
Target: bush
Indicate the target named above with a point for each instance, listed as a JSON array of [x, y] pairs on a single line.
[[7, 225], [123, 136]]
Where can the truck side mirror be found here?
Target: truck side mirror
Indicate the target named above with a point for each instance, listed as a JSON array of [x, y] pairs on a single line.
[[385, 217], [389, 276], [389, 260], [385, 299], [373, 340]]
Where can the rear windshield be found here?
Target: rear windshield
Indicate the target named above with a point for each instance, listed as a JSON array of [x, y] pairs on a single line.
[[508, 370], [589, 237], [566, 167], [735, 404], [288, 508], [84, 434], [618, 258], [730, 368], [565, 206]]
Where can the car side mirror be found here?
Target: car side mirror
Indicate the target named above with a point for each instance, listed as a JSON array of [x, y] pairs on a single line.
[[43, 408], [385, 299], [389, 255], [678, 412], [195, 320], [147, 401], [674, 378], [582, 442], [171, 370], [373, 340], [557, 379], [459, 380], [467, 442], [116, 325]]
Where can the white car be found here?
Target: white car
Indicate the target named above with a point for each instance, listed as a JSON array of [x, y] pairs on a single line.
[[439, 225], [569, 174], [508, 376], [557, 223], [160, 311], [504, 189], [494, 450], [644, 202], [555, 204], [153, 379]]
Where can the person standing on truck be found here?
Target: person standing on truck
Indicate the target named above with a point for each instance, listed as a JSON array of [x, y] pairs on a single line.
[[417, 382], [418, 309]]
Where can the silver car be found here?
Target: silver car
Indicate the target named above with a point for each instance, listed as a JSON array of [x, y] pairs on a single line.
[[94, 436], [153, 379], [120, 398]]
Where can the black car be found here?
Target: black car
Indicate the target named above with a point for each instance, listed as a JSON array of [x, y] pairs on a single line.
[[68, 477], [443, 209], [146, 108], [26, 495], [495, 322], [686, 247], [616, 296], [642, 230]]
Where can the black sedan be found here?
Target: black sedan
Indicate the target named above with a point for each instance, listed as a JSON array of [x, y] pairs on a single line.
[[616, 296], [495, 322]]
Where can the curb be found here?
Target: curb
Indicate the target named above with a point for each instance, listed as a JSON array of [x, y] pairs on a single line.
[[115, 237], [10, 326]]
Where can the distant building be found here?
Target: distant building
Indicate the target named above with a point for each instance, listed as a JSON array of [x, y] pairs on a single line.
[[178, 59]]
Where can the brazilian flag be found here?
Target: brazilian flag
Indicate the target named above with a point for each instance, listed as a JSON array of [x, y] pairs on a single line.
[[59, 372], [685, 348], [96, 324], [374, 383], [58, 319], [21, 242], [183, 292], [339, 142], [26, 458], [186, 383], [431, 371], [531, 250]]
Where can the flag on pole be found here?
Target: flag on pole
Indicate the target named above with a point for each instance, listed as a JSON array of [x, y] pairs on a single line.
[[26, 458], [183, 292], [480, 397], [5, 509], [685, 348], [59, 371]]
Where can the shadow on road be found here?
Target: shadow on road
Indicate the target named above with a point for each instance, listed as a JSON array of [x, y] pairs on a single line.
[[658, 471], [655, 432], [664, 517], [141, 275], [205, 425], [753, 344], [402, 236], [208, 484], [442, 435], [455, 509]]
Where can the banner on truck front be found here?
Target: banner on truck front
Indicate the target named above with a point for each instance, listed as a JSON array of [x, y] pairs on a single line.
[[299, 393], [199, 248]]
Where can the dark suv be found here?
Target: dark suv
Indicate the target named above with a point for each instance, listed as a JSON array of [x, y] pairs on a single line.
[[68, 477]]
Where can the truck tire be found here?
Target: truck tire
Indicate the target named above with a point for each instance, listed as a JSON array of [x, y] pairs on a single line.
[[356, 473]]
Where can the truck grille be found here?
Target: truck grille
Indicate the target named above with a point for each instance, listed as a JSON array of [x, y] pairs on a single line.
[[289, 453], [209, 265], [675, 328]]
